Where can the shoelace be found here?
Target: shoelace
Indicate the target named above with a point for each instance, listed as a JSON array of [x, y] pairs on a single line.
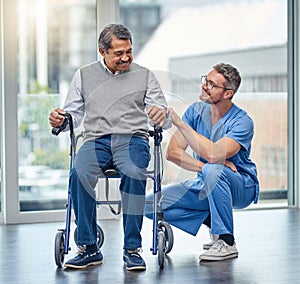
[[135, 252], [81, 250], [218, 245], [213, 237]]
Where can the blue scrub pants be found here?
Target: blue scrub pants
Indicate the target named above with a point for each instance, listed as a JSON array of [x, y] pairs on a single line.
[[220, 190], [130, 156]]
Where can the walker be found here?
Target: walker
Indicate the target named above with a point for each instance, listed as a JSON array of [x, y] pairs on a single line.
[[162, 241]]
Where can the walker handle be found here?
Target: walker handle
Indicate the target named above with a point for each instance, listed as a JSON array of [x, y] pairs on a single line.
[[56, 130]]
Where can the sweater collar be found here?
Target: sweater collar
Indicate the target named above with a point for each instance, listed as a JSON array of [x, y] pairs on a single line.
[[107, 69]]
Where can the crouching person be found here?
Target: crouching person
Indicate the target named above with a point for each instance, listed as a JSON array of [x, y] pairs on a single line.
[[220, 134]]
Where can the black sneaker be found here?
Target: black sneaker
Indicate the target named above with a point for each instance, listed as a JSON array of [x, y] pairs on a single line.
[[85, 258], [133, 261]]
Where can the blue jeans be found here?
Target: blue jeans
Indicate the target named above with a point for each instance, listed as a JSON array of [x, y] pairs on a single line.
[[130, 155]]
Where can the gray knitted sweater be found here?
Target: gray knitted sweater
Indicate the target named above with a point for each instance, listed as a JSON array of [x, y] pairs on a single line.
[[116, 104]]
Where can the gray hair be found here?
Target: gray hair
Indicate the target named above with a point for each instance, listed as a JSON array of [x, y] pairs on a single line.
[[231, 74], [105, 37]]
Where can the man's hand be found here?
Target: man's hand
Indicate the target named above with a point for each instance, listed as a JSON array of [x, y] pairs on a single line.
[[157, 115], [55, 118], [175, 117], [230, 165]]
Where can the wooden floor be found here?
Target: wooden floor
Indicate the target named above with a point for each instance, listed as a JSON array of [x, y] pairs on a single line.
[[268, 242]]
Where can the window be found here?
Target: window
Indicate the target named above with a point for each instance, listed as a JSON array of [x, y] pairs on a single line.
[[54, 39], [173, 49], [186, 43]]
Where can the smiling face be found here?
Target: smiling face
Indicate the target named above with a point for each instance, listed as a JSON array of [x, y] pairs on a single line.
[[213, 89], [119, 56]]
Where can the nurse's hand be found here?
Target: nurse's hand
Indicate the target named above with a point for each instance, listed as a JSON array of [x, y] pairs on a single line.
[[230, 165], [176, 119]]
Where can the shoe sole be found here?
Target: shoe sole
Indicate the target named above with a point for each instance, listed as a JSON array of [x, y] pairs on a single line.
[[83, 266], [216, 258], [135, 267]]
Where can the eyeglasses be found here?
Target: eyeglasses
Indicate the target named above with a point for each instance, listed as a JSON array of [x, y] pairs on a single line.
[[210, 84]]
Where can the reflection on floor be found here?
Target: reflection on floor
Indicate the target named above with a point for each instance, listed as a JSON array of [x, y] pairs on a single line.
[[268, 242]]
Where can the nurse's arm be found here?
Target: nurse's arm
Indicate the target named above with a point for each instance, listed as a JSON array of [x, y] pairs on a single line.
[[176, 153], [213, 152]]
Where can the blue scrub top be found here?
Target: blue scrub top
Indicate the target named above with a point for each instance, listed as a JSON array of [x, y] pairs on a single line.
[[236, 124]]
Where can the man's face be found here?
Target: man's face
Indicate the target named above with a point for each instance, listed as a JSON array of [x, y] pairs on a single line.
[[119, 56], [213, 90]]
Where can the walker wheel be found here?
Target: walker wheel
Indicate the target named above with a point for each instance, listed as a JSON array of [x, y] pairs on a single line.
[[161, 249], [100, 236], [59, 246], [169, 238]]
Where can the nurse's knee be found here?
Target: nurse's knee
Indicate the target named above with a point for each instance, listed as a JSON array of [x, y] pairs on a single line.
[[212, 171]]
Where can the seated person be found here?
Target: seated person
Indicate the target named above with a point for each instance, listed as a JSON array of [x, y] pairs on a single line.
[[220, 134], [115, 98]]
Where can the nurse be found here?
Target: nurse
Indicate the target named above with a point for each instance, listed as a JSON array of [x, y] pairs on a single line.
[[220, 134]]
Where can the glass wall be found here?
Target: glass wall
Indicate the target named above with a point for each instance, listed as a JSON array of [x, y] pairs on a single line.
[[55, 37], [52, 44], [185, 39], [179, 41]]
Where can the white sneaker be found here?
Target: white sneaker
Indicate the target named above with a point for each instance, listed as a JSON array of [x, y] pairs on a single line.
[[220, 251], [214, 238]]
